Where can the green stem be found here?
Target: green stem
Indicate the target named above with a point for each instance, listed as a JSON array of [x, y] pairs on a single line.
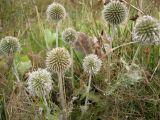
[[135, 55], [88, 88], [110, 57], [14, 70], [134, 7], [123, 45], [62, 98], [87, 95], [155, 70], [46, 105], [72, 67], [56, 35]]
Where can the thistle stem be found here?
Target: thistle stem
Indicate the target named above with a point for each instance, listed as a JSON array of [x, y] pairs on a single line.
[[14, 70], [87, 95], [110, 56], [56, 35], [62, 98], [123, 45], [72, 67], [88, 88], [133, 6], [135, 55], [46, 105]]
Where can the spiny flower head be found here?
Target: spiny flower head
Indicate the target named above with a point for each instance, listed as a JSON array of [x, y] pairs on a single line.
[[147, 30], [9, 44], [69, 35], [115, 12], [55, 12], [40, 83], [58, 60], [92, 64]]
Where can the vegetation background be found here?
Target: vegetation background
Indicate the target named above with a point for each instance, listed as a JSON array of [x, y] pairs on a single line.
[[136, 97]]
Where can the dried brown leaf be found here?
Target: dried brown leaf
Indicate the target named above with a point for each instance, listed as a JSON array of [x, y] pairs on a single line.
[[36, 59], [83, 43]]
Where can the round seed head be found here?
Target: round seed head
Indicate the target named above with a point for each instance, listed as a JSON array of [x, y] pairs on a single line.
[[40, 83], [115, 12], [147, 30], [58, 60], [55, 12], [9, 44], [69, 35], [92, 64]]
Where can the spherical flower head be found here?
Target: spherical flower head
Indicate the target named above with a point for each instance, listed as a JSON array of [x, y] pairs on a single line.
[[40, 83], [55, 12], [147, 30], [92, 64], [115, 12], [58, 60], [69, 35], [9, 44]]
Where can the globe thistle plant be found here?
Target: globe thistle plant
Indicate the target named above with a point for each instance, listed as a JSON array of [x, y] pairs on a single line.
[[9, 45], [55, 13], [58, 60], [91, 65], [70, 36], [147, 30], [115, 12], [40, 83]]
